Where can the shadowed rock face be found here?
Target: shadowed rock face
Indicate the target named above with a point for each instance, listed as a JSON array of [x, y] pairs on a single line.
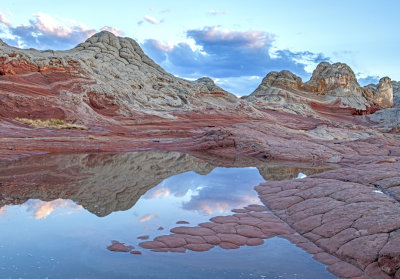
[[396, 93], [383, 92], [389, 119], [104, 183]]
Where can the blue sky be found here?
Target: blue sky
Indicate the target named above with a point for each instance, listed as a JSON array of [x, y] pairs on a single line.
[[234, 42]]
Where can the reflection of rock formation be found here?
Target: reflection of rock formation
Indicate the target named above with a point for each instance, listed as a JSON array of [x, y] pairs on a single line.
[[269, 170], [276, 172], [103, 182]]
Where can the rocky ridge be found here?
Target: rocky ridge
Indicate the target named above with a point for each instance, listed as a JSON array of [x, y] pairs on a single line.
[[127, 102], [332, 89], [103, 80]]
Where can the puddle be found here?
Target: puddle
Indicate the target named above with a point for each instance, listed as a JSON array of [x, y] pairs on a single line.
[[58, 213]]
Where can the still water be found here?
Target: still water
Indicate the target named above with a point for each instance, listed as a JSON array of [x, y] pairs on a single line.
[[58, 213]]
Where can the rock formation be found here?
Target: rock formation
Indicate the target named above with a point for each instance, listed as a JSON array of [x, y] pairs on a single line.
[[126, 101], [102, 80], [347, 218], [333, 88], [382, 93], [388, 119]]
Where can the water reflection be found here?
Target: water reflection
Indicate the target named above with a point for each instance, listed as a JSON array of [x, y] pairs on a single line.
[[103, 183], [41, 209], [3, 210], [208, 194], [144, 191], [148, 217]]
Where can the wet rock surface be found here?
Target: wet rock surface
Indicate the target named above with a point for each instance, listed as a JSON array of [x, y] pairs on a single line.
[[119, 247], [265, 225]]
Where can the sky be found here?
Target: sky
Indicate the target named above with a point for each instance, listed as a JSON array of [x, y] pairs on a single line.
[[236, 43]]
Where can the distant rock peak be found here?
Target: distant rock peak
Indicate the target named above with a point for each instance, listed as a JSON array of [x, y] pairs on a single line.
[[332, 87], [282, 79], [327, 77]]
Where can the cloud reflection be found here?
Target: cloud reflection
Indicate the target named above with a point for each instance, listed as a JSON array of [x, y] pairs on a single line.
[[42, 209], [218, 192], [3, 210], [148, 217], [158, 192], [205, 203]]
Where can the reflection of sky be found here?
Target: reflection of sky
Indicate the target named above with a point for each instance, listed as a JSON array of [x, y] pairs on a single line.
[[216, 193], [148, 217], [42, 209], [301, 175], [3, 210], [73, 242]]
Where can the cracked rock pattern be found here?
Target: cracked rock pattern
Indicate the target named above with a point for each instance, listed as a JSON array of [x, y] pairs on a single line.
[[347, 213]]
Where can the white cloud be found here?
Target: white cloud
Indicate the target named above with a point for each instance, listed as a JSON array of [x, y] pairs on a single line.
[[152, 20], [115, 31], [253, 39], [4, 20], [45, 31]]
